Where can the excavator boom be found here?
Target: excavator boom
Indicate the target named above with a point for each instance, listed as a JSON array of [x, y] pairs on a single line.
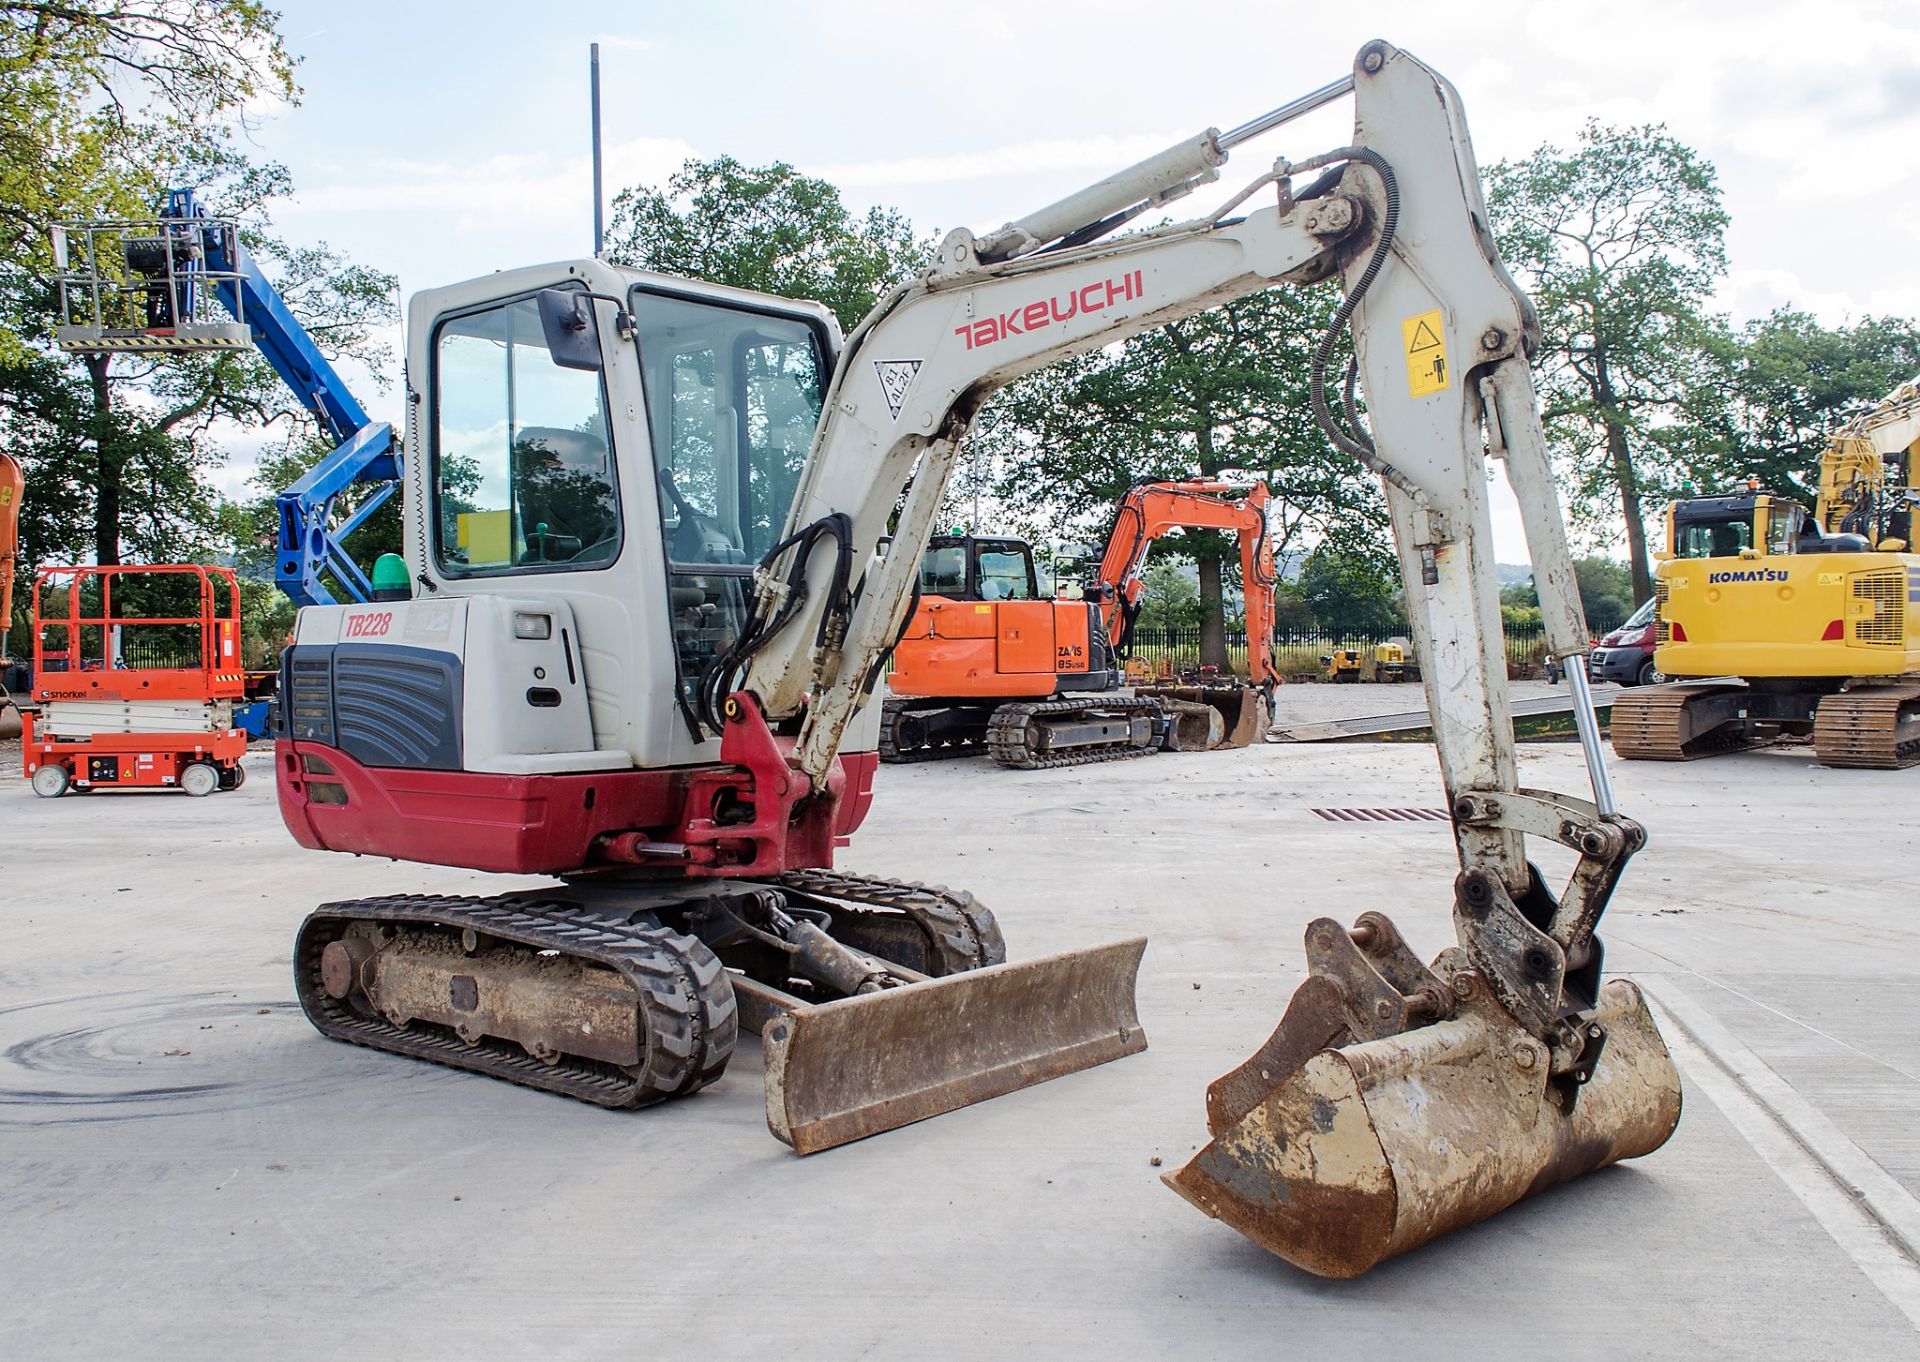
[[1441, 338]]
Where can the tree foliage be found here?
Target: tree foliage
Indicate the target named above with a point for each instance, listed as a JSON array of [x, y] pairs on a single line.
[[1606, 594], [1352, 590], [1621, 242], [103, 105], [1793, 383], [768, 228]]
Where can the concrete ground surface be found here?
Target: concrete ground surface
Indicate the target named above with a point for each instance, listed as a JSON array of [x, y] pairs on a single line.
[[188, 1170]]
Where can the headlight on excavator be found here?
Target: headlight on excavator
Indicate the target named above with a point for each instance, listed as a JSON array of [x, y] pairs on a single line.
[[531, 626]]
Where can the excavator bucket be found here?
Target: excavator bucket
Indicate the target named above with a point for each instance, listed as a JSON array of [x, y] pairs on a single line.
[[10, 725], [1207, 717], [1335, 1149], [842, 1070]]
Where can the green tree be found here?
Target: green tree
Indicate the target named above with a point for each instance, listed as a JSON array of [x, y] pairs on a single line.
[[103, 105], [97, 97], [1621, 242], [1352, 590], [1222, 390], [1606, 593], [768, 228], [1170, 599], [1794, 382]]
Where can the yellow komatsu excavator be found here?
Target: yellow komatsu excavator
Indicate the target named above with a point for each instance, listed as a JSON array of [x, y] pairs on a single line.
[[1776, 623], [661, 537]]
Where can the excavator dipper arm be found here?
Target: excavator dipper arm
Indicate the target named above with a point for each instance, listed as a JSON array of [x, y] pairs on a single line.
[[1347, 1137]]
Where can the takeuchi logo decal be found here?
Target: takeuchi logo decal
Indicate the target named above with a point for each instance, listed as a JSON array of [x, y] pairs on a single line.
[[1045, 312], [1750, 575]]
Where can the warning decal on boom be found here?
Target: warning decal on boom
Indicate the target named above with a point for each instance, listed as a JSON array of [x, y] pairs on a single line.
[[1426, 353]]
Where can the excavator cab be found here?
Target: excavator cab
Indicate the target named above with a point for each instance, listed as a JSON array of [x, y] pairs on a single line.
[[604, 459]]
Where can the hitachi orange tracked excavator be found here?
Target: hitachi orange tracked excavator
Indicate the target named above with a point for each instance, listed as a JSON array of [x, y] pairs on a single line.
[[990, 663], [660, 537]]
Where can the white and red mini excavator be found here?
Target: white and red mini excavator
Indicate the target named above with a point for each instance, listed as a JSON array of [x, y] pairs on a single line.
[[660, 538]]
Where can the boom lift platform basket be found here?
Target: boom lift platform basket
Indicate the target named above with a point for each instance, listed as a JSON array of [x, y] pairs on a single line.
[[184, 283], [146, 286]]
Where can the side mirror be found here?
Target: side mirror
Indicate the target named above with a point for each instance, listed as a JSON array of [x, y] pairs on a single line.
[[571, 330]]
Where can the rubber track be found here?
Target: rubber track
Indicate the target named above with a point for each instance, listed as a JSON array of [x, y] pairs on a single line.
[[1856, 728], [1007, 733], [691, 1018], [960, 928], [1646, 726], [891, 753]]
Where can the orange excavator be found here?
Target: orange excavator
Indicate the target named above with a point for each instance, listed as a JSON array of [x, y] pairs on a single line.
[[12, 484], [988, 662]]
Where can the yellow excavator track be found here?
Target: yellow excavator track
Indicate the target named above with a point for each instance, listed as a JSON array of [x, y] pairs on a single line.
[[1874, 727], [1654, 723]]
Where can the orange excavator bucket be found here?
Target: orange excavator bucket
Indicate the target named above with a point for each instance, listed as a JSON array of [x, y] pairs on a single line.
[[1396, 1103], [1206, 717]]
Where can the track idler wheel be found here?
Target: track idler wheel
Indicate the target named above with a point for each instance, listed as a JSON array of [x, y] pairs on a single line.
[[1395, 1104]]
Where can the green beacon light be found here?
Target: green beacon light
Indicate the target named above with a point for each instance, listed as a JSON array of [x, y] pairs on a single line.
[[390, 581]]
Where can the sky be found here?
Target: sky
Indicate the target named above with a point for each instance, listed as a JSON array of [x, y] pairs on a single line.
[[441, 141]]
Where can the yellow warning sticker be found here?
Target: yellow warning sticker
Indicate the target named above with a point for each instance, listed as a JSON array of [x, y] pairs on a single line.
[[1426, 349]]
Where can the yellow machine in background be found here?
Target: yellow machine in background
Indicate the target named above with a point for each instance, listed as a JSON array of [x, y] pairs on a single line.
[[1342, 664], [1394, 661], [1807, 625]]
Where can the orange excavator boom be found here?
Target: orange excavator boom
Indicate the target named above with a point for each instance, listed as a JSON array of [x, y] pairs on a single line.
[[1152, 509]]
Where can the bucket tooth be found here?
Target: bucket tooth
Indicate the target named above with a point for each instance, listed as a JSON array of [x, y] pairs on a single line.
[[843, 1070], [1375, 1148]]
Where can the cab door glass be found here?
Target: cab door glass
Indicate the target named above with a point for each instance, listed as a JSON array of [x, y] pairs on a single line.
[[733, 399], [522, 472], [1783, 528]]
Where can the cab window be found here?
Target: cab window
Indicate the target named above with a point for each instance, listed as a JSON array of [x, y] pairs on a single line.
[[1005, 576], [1783, 529], [943, 571], [522, 470], [1723, 538]]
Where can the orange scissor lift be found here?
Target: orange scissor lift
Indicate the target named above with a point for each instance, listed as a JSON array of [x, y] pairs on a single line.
[[134, 698]]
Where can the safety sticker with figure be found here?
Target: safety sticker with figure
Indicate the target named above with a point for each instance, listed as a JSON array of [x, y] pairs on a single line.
[[1426, 348]]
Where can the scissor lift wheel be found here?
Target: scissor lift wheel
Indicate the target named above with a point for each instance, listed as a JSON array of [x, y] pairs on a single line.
[[51, 780], [200, 778]]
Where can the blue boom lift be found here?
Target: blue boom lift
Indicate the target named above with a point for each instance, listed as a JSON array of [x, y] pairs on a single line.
[[161, 286]]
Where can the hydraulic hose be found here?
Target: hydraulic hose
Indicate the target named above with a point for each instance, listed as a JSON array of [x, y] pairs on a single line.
[[1361, 448]]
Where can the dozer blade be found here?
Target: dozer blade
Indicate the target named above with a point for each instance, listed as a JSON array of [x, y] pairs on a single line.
[[1376, 1147], [850, 1068]]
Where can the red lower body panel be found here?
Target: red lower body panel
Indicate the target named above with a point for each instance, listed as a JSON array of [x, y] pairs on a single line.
[[542, 824]]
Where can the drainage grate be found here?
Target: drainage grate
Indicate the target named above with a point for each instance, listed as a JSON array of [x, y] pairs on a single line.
[[1384, 815]]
